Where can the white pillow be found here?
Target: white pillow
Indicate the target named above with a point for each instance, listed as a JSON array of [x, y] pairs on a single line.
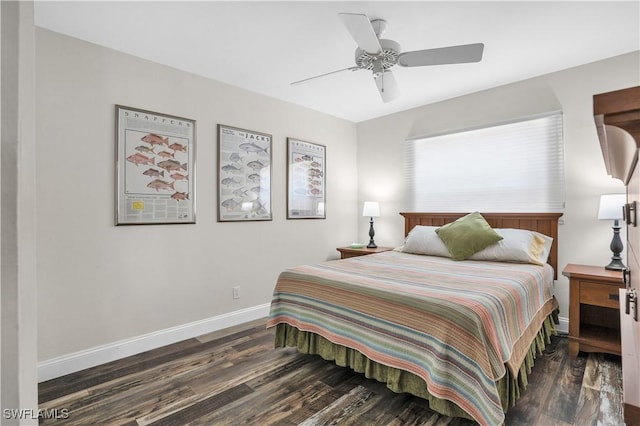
[[424, 240], [517, 245]]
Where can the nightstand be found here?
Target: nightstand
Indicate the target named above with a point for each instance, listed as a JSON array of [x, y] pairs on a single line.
[[346, 252], [594, 309]]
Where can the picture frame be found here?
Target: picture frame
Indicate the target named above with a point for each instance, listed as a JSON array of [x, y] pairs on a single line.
[[306, 187], [155, 168], [244, 175]]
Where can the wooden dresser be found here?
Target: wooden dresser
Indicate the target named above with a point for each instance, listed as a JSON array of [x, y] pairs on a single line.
[[617, 117]]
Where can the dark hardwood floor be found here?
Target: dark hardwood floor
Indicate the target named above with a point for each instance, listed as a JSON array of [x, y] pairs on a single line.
[[236, 377]]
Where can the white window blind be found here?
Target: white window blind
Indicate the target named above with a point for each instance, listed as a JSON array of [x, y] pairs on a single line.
[[514, 167]]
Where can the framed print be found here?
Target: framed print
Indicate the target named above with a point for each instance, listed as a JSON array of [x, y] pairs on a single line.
[[244, 175], [305, 180], [155, 168]]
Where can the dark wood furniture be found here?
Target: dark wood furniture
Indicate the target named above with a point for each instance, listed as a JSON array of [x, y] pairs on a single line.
[[617, 118], [347, 252], [594, 313]]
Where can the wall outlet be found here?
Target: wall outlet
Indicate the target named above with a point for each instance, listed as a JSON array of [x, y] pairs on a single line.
[[236, 292]]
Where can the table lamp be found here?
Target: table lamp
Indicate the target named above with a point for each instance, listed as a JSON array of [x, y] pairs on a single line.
[[371, 209]]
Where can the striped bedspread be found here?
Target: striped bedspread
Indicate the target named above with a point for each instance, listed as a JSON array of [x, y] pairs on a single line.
[[457, 325]]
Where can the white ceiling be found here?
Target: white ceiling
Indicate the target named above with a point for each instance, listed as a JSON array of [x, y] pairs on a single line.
[[263, 46]]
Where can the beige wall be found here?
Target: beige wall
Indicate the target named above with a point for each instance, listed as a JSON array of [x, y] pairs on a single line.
[[583, 238], [98, 283]]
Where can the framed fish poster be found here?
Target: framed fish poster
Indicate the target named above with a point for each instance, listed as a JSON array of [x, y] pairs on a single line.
[[305, 180], [155, 168], [244, 175]]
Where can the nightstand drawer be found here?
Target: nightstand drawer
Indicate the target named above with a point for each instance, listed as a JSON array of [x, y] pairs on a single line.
[[597, 294]]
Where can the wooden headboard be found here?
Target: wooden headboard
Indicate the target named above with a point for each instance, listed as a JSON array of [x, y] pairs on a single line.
[[545, 223]]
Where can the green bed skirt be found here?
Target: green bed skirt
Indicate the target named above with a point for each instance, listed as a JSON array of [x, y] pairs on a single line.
[[400, 381]]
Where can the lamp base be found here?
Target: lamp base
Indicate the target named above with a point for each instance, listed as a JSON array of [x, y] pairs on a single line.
[[616, 248], [616, 265], [372, 233]]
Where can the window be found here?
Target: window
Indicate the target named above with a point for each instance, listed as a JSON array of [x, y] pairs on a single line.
[[514, 167]]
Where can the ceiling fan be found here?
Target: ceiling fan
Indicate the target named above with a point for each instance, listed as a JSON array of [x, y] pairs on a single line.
[[380, 55]]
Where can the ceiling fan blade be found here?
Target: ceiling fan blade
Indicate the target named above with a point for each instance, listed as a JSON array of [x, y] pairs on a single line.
[[325, 74], [443, 55], [387, 86], [361, 31]]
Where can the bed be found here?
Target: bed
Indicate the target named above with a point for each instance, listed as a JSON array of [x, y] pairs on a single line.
[[462, 334]]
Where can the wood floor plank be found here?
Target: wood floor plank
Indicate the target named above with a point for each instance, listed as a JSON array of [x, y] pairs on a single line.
[[124, 408], [544, 420], [240, 371], [541, 380], [122, 368], [147, 387], [310, 407], [212, 383], [563, 397], [173, 370], [300, 370], [281, 411], [592, 377], [74, 382], [176, 371], [611, 399], [588, 407], [207, 405], [279, 400], [343, 379], [340, 412], [413, 413], [408, 408], [119, 363]]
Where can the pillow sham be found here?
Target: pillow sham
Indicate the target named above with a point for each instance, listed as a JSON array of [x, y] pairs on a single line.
[[517, 245], [467, 235], [424, 240]]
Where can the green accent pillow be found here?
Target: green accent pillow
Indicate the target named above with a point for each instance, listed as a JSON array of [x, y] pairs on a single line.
[[467, 235]]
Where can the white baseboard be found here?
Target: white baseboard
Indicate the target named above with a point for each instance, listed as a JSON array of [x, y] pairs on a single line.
[[563, 327], [88, 358]]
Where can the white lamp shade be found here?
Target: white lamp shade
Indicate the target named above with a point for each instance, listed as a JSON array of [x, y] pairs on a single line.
[[611, 206], [371, 209]]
